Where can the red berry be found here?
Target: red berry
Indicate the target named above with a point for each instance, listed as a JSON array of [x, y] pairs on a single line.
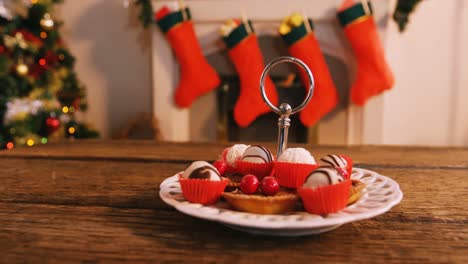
[[220, 166], [249, 184], [270, 186]]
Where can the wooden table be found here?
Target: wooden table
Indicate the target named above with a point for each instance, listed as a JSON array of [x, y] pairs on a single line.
[[97, 202]]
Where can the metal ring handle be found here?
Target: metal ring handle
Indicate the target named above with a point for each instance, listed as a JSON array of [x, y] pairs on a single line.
[[298, 62]]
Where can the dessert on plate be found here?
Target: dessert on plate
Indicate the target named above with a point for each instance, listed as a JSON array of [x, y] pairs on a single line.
[[250, 180], [325, 190], [255, 160], [201, 183], [293, 166]]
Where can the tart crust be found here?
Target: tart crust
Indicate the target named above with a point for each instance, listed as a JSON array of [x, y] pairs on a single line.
[[355, 191], [282, 202]]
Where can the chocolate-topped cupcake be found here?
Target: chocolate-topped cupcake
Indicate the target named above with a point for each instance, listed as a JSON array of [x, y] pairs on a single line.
[[332, 160], [323, 176], [344, 163], [201, 183], [325, 191], [201, 170], [256, 160], [257, 154]]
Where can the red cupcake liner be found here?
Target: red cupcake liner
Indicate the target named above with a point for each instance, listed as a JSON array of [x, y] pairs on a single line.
[[202, 191], [292, 175], [327, 199], [230, 169], [349, 162], [260, 170]]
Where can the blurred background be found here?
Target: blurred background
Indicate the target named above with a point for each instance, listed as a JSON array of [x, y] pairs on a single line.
[[130, 72]]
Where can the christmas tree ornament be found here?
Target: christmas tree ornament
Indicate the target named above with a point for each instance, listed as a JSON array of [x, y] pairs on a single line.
[[197, 77], [10, 145], [30, 142], [373, 73], [52, 124], [46, 22], [21, 68], [71, 130], [297, 32], [244, 52], [16, 40]]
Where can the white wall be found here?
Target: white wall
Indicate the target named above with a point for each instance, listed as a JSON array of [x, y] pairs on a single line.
[[430, 62], [113, 60]]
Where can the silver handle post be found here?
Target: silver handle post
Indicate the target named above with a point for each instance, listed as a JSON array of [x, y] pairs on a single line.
[[285, 110]]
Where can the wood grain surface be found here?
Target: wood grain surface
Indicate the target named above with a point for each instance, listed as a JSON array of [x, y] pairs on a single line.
[[150, 151], [97, 202]]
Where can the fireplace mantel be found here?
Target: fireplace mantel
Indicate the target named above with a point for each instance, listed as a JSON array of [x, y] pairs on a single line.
[[359, 125]]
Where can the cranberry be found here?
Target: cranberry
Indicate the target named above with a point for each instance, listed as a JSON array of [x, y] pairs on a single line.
[[249, 184], [270, 186], [221, 166]]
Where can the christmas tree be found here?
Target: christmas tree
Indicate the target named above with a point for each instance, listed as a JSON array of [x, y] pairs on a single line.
[[39, 90]]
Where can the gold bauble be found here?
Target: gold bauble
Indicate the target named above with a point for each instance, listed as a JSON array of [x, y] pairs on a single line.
[[22, 69], [46, 22]]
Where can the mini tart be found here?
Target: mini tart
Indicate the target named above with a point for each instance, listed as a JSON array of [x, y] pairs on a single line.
[[280, 203], [355, 191]]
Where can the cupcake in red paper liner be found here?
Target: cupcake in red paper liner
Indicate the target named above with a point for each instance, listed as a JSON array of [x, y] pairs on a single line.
[[293, 166], [325, 191], [201, 183], [233, 154], [343, 163], [256, 160]]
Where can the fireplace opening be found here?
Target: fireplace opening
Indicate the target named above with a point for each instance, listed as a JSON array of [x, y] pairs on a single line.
[[264, 128]]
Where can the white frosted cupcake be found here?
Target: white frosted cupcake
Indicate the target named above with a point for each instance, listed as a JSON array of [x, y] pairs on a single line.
[[232, 154], [293, 166]]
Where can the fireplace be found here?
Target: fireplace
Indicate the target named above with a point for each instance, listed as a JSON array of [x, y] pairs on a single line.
[[210, 117]]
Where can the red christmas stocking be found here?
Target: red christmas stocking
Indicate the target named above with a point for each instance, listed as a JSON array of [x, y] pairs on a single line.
[[304, 46], [197, 77], [373, 73], [248, 61]]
